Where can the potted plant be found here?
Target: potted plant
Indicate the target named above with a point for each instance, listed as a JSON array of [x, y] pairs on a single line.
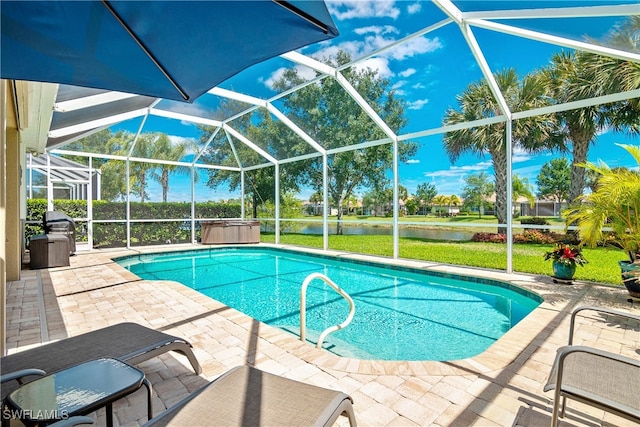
[[610, 214], [565, 260]]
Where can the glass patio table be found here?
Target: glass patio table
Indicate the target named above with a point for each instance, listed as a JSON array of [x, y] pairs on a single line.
[[78, 390]]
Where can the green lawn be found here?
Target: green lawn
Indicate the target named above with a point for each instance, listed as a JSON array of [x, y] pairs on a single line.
[[527, 258]]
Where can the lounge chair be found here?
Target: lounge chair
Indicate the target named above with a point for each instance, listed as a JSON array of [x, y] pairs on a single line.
[[128, 342], [595, 377], [246, 396], [78, 420]]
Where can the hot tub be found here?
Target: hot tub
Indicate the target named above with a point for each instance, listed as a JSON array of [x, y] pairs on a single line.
[[230, 231]]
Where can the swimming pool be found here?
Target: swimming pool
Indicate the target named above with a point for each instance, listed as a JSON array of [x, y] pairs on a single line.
[[401, 313]]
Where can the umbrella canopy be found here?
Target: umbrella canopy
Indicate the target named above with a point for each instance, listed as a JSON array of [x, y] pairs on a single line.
[[167, 49]]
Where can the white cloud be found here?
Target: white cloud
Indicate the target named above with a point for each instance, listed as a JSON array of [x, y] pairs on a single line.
[[414, 8], [185, 108], [176, 139], [376, 39], [349, 9], [381, 65], [520, 156], [376, 29], [276, 75], [414, 47], [417, 104], [408, 72], [527, 171], [413, 161], [397, 85], [459, 171], [304, 72], [418, 86]]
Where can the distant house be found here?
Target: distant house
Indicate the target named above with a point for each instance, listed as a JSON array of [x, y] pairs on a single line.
[[445, 210], [542, 208], [539, 207]]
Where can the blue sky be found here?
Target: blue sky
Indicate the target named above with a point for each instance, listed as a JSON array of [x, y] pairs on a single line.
[[428, 72]]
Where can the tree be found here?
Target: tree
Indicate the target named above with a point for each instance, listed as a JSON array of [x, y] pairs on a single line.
[[290, 207], [609, 75], [554, 180], [352, 200], [412, 206], [147, 146], [144, 148], [164, 149], [403, 193], [150, 146], [440, 200], [386, 196], [522, 188], [94, 143], [315, 199], [476, 190], [532, 134], [579, 75], [615, 204], [368, 201], [453, 201], [225, 150], [375, 198], [580, 125], [425, 193], [114, 172], [113, 183], [327, 113]]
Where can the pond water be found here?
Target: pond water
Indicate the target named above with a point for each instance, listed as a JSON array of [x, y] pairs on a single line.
[[417, 232]]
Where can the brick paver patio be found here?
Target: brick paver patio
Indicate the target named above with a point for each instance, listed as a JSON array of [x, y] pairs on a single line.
[[500, 387]]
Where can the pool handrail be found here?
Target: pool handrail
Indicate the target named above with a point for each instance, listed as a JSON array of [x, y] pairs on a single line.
[[303, 307]]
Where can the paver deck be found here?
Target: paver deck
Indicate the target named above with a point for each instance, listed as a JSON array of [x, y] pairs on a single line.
[[500, 387]]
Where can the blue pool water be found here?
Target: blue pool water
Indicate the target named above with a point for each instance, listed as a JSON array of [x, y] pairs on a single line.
[[401, 314]]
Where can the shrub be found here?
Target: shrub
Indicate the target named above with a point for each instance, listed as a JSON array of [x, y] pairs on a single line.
[[534, 221], [528, 236], [489, 238], [535, 236], [142, 233]]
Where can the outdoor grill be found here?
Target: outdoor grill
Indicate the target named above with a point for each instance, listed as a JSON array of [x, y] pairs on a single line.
[[59, 223]]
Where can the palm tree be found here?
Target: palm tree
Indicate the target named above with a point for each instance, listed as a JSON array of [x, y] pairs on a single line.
[[610, 75], [531, 134], [565, 77], [453, 201], [144, 149], [522, 188], [315, 199], [440, 200], [581, 75], [114, 183], [615, 203], [425, 194], [164, 149], [351, 200]]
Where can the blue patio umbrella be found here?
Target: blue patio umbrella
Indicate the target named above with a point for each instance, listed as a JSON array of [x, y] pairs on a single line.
[[168, 49]]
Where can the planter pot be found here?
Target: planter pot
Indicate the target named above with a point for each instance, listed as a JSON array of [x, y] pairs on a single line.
[[630, 274], [563, 271]]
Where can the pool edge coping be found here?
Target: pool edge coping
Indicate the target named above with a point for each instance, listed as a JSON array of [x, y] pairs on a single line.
[[495, 358]]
